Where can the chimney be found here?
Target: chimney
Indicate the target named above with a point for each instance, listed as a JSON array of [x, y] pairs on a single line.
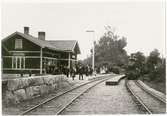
[[26, 30], [41, 35]]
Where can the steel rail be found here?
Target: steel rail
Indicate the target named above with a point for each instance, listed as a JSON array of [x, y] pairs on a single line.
[[61, 110], [147, 110], [56, 96], [151, 93]]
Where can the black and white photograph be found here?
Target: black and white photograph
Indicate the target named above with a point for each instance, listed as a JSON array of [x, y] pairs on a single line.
[[83, 57]]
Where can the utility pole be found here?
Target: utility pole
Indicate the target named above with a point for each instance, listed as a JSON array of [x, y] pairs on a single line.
[[93, 50]]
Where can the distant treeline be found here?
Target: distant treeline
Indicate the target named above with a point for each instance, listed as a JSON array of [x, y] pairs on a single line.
[[110, 52]]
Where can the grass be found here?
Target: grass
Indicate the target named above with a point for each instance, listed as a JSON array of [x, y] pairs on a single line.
[[160, 86], [157, 85]]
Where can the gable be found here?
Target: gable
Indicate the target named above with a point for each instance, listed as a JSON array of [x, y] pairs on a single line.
[[77, 49], [57, 45], [9, 44]]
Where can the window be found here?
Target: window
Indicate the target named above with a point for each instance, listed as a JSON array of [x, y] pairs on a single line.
[[73, 56], [18, 62], [18, 44]]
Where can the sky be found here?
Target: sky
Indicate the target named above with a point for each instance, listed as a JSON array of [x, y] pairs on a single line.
[[141, 22]]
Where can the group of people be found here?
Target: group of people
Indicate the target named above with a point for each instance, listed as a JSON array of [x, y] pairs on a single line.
[[80, 70], [72, 72]]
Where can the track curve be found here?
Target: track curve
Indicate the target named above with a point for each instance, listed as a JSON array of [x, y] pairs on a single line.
[[146, 101], [56, 104]]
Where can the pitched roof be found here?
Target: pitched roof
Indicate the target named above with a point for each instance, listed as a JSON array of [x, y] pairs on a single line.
[[65, 45], [58, 45]]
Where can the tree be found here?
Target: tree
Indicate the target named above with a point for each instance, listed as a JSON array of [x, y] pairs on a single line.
[[161, 70], [153, 60], [110, 50], [153, 64]]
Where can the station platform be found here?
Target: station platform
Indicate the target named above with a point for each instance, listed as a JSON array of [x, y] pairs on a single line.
[[115, 80], [86, 79]]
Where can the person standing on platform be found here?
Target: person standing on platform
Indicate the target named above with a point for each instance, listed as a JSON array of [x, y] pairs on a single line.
[[73, 71], [86, 70], [80, 73], [67, 71]]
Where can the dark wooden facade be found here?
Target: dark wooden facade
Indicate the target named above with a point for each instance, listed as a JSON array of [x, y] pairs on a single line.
[[35, 55]]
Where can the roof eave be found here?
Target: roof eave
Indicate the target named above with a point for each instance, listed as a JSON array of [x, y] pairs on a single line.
[[9, 36], [17, 33], [42, 46]]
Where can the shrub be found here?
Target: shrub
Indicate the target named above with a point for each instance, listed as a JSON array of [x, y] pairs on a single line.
[[115, 70]]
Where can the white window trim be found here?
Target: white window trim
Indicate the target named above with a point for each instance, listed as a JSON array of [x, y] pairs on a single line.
[[17, 44], [16, 62], [24, 63], [20, 62], [12, 62]]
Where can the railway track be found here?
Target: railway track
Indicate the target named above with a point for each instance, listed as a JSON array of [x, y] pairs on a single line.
[[147, 101], [57, 104], [152, 93]]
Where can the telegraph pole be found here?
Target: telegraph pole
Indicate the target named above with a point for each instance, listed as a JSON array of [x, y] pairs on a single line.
[[93, 50]]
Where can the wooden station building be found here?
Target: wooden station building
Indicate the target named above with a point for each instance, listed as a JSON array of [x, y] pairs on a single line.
[[24, 53]]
